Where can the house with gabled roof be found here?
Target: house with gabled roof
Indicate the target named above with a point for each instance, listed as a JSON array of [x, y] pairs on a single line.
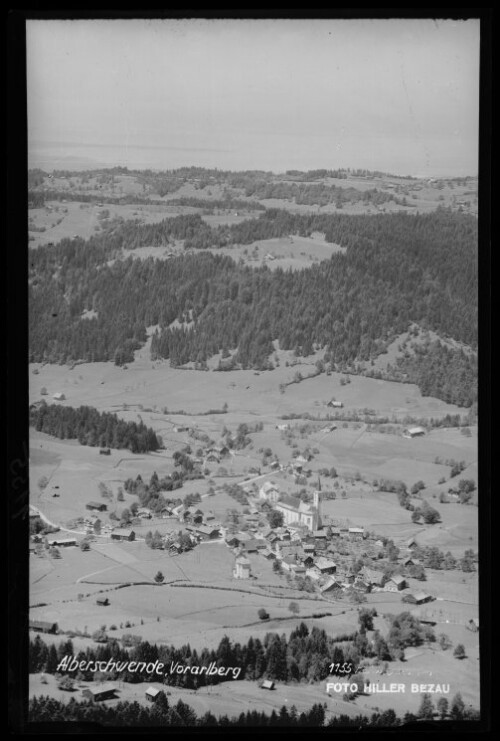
[[395, 584]]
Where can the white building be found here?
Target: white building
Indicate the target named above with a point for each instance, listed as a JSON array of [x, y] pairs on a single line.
[[242, 568], [269, 491], [297, 512]]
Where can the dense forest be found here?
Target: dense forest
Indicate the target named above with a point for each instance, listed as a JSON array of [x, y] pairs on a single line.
[[396, 269], [93, 428]]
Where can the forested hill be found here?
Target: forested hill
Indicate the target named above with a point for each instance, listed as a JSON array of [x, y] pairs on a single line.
[[396, 269]]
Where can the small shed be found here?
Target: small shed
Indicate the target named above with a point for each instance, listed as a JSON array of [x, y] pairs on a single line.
[[102, 601], [151, 694], [58, 396], [473, 625], [267, 684]]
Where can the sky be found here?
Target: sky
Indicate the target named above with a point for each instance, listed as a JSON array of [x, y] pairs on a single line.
[[401, 96]]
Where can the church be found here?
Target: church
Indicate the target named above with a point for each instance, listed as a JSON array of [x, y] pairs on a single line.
[[297, 512]]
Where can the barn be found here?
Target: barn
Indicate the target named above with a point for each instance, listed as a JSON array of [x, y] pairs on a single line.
[[103, 692], [43, 626], [122, 533], [99, 506], [413, 432], [419, 598]]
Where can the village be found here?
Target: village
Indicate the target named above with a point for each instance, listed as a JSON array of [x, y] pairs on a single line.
[[321, 553]]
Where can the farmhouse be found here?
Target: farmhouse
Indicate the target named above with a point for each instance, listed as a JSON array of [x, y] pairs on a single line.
[[288, 562], [269, 491], [272, 538], [299, 512], [151, 694], [395, 584], [207, 532], [103, 692], [212, 457], [413, 432], [332, 585], [373, 578], [232, 541], [325, 566], [43, 626], [251, 546], [191, 514], [289, 549], [122, 533], [409, 561], [313, 574], [319, 535], [335, 404], [99, 506], [241, 568], [268, 554], [361, 584], [473, 625], [144, 513], [356, 532]]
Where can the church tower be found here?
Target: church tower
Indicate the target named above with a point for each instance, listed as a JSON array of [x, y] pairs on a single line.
[[317, 506]]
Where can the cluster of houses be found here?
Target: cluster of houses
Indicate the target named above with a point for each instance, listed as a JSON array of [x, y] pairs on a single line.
[[306, 544], [201, 525]]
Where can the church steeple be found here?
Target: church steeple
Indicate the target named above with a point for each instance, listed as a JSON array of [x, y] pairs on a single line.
[[317, 506]]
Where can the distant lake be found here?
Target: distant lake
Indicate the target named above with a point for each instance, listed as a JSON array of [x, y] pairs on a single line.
[[89, 157], [262, 152]]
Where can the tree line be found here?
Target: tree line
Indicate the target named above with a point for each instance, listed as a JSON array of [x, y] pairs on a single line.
[[124, 714], [91, 427]]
